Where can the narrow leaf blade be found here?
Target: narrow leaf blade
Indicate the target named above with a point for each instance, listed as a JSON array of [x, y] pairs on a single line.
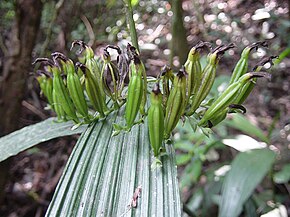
[[103, 173], [247, 171], [29, 136]]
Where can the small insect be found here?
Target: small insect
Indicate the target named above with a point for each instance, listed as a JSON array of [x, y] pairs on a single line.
[[136, 195]]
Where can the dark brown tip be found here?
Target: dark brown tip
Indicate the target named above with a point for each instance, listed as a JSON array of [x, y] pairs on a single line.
[[165, 69], [258, 44], [220, 50], [58, 55], [237, 106], [264, 61], [136, 59], [117, 48], [42, 72], [182, 72], [156, 89], [131, 51], [106, 54], [81, 66], [80, 43], [209, 124], [44, 61], [260, 75], [202, 44]]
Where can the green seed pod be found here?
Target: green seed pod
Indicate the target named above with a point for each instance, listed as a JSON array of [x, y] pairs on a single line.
[[228, 97], [166, 76], [223, 114], [193, 68], [55, 96], [156, 120], [176, 103], [93, 66], [247, 89], [208, 76], [57, 106], [48, 90], [63, 97], [109, 74], [135, 92], [77, 94], [45, 84], [73, 84], [242, 65], [93, 90], [133, 54], [144, 96]]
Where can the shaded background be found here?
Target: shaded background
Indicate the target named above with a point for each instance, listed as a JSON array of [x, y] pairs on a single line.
[[166, 31]]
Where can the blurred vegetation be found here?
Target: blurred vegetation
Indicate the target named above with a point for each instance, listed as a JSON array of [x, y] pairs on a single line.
[[203, 160]]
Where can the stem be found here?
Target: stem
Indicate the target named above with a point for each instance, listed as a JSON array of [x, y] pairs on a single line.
[[131, 23], [282, 55]]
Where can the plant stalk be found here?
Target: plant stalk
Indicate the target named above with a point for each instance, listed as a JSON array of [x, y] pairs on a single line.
[[132, 28]]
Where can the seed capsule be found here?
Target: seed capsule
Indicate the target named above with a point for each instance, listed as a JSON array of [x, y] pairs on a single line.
[[61, 116], [242, 65], [228, 97], [176, 103], [109, 77], [63, 97], [133, 53], [247, 89], [93, 90], [156, 120], [56, 97], [77, 94], [135, 92], [45, 83], [73, 84], [193, 68], [208, 76], [144, 95]]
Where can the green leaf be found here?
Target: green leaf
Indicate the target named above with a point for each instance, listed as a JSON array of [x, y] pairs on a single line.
[[182, 159], [184, 145], [29, 136], [241, 123], [247, 171], [283, 176], [191, 174], [103, 173], [134, 2]]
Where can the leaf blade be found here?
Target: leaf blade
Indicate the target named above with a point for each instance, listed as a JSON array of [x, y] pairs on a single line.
[[107, 170], [29, 136], [247, 170]]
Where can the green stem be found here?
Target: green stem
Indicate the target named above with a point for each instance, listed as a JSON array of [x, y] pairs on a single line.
[[132, 27], [283, 55]]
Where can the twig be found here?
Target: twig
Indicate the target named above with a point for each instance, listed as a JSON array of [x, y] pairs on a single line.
[[33, 109], [89, 29]]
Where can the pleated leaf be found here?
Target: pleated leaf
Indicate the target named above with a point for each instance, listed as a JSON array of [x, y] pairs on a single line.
[[247, 171], [103, 173], [29, 136]]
